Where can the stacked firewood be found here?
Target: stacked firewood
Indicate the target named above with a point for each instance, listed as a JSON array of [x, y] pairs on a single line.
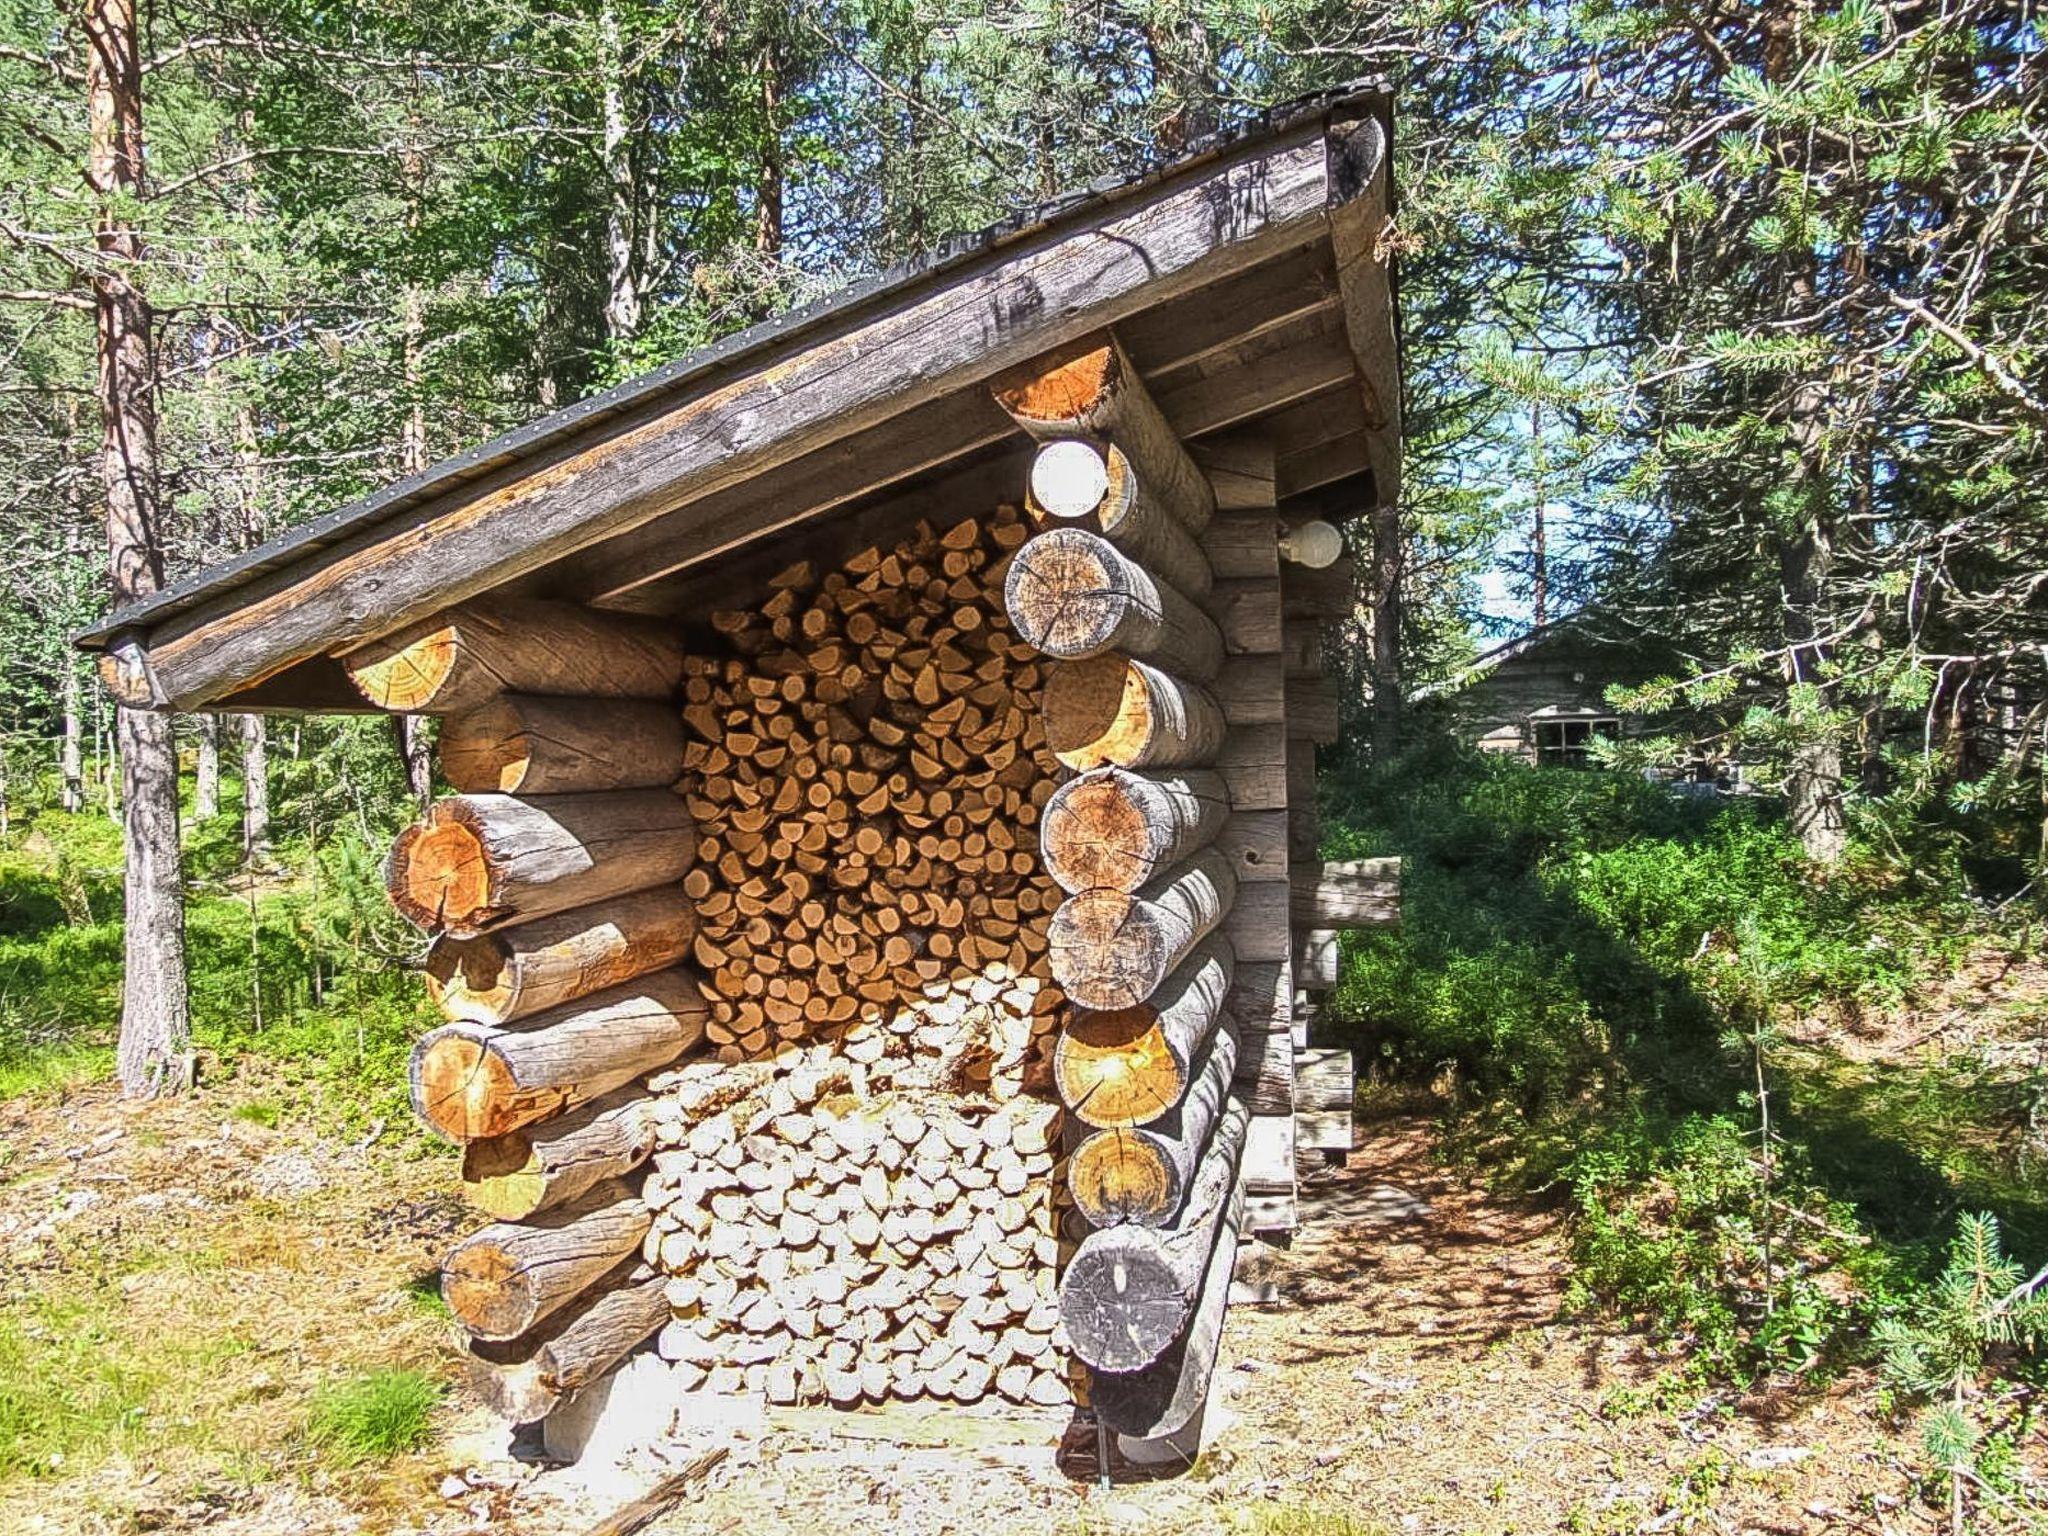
[[864, 1218], [864, 773]]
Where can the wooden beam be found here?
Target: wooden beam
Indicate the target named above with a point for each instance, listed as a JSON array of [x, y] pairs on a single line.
[[1359, 175], [1326, 463], [1296, 366], [831, 379], [945, 432]]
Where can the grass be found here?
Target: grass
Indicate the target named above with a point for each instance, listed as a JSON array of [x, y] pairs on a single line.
[[376, 1416]]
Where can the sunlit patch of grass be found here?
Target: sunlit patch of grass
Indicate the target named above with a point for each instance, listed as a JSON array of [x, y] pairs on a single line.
[[423, 1290], [1272, 1518], [374, 1416], [259, 1112]]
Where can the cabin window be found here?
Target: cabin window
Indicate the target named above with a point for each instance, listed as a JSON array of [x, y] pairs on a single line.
[[1568, 743]]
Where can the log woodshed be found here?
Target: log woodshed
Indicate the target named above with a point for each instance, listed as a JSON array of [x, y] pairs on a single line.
[[878, 913]]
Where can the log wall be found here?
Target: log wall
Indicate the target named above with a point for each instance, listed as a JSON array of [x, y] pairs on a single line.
[[807, 983]]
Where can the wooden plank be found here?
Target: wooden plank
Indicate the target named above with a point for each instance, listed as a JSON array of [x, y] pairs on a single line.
[[986, 480], [1252, 690], [1181, 335], [1359, 165], [1253, 763], [1330, 593], [1262, 997], [1304, 819], [1240, 468], [1248, 613], [1243, 544], [1301, 648], [1259, 924], [1312, 713], [941, 434], [832, 379], [1311, 422], [1282, 369], [1325, 464], [1256, 842]]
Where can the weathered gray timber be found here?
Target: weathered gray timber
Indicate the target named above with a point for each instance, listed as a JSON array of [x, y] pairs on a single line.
[[831, 379], [1129, 1291]]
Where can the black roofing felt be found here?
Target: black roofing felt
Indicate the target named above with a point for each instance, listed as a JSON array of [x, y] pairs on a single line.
[[546, 431]]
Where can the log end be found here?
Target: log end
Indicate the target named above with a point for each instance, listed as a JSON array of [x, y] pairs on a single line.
[[406, 672], [1105, 950], [487, 1290], [1119, 1176], [439, 876], [464, 1091], [1096, 836], [1067, 391], [471, 978], [487, 749], [1069, 479], [503, 1177], [1097, 713], [1122, 1307], [1115, 1068], [1065, 593]]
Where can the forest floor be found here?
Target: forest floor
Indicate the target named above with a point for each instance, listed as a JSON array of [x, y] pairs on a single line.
[[179, 1281]]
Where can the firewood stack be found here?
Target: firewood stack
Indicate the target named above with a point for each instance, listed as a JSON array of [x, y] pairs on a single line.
[[863, 1218], [864, 774], [808, 920]]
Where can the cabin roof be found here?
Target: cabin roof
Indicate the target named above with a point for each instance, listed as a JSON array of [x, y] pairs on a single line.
[[1230, 272]]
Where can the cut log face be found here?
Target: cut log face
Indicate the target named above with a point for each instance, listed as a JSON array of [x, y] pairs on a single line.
[[516, 972], [1143, 1174], [1117, 830], [1114, 711], [527, 744], [1072, 594], [503, 1280], [1163, 1397], [471, 1081], [1128, 1292], [549, 1164], [1093, 391], [1112, 949], [460, 659], [1071, 480], [1129, 1066], [525, 1378], [484, 861]]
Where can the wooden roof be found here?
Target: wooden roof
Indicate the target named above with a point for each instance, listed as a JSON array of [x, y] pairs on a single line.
[[1243, 278]]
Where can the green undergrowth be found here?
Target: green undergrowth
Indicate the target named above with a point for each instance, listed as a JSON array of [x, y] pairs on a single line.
[[1592, 971], [297, 963]]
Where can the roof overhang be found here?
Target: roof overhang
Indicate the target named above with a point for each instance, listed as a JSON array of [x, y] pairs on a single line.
[[1247, 280]]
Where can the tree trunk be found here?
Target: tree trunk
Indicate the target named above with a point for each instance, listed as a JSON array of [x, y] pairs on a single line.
[[1385, 521], [768, 193], [255, 790], [206, 773], [622, 293], [416, 756], [69, 761], [155, 1021]]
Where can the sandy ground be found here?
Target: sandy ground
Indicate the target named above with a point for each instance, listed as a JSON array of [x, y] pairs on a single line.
[[1417, 1376]]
